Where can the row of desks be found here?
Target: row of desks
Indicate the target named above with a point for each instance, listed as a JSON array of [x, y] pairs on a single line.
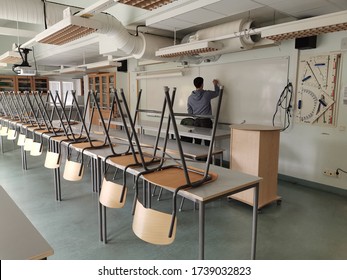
[[228, 182], [184, 130]]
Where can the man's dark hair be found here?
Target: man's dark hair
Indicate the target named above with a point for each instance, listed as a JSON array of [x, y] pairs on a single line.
[[198, 82]]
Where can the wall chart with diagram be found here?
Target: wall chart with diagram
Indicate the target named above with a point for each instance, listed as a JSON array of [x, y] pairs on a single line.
[[316, 99]]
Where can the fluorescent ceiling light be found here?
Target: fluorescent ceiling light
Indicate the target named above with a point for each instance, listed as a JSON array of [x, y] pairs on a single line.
[[50, 73], [191, 48], [164, 75], [72, 70], [146, 4], [69, 29], [306, 27], [103, 64], [11, 57]]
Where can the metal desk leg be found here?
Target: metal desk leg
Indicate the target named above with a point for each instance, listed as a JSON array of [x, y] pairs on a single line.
[[201, 230], [24, 158], [1, 146], [92, 172], [101, 208], [255, 221], [57, 184], [103, 227]]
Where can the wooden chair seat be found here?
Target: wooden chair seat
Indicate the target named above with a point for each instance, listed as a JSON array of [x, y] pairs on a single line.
[[43, 131], [173, 177], [40, 131], [126, 160], [63, 138], [26, 125], [60, 138], [153, 226], [32, 128], [84, 145]]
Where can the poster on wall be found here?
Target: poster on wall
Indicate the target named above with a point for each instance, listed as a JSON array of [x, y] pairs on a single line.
[[317, 92]]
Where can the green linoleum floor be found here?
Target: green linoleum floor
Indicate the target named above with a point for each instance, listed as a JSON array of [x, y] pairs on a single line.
[[309, 224]]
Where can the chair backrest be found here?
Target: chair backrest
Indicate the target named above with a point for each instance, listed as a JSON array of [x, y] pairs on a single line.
[[152, 226], [130, 129], [179, 144], [62, 116]]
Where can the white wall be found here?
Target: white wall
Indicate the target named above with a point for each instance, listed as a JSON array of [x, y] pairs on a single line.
[[305, 150]]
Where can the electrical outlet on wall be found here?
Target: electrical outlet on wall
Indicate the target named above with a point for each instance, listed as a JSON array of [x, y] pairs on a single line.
[[330, 172]]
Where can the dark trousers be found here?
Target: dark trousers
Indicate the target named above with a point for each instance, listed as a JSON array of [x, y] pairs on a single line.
[[199, 122], [203, 122]]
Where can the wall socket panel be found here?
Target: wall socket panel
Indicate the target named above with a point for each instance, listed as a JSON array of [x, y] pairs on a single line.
[[330, 172]]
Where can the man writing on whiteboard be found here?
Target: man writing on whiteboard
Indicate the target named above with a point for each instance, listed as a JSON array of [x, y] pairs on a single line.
[[199, 103]]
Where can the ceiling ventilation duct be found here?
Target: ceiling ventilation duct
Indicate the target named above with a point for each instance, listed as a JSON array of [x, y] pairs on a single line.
[[224, 38], [73, 27], [64, 30]]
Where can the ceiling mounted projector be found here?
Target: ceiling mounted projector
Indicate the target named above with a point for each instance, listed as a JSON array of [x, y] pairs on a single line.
[[24, 71]]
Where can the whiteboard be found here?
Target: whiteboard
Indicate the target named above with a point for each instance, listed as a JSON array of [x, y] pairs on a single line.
[[251, 88]]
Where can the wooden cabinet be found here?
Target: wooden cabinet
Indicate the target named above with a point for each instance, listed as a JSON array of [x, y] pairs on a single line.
[[40, 84], [7, 83], [255, 150], [28, 83], [102, 83], [23, 83]]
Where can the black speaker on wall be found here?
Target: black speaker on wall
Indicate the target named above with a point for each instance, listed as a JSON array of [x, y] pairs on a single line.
[[306, 43], [124, 67]]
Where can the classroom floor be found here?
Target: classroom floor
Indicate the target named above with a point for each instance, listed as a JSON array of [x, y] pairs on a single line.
[[309, 224]]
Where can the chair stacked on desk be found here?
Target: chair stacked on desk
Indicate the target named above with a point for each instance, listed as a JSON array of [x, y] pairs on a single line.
[[112, 194], [151, 225], [77, 136]]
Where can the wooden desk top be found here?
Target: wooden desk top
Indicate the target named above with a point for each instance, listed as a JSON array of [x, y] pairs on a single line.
[[19, 239], [228, 181], [255, 127]]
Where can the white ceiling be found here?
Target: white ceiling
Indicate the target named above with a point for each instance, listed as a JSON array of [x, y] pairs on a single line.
[[176, 19]]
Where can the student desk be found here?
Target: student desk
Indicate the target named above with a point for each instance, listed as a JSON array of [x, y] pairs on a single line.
[[184, 130], [19, 239], [228, 182], [191, 150]]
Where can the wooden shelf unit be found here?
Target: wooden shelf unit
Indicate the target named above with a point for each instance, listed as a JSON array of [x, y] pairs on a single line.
[[41, 84], [7, 83], [102, 83], [23, 83], [255, 150]]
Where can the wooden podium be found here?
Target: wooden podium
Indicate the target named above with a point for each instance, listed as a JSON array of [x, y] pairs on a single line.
[[255, 150]]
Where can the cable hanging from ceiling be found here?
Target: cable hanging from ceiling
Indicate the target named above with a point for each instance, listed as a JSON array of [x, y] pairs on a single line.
[[285, 103]]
